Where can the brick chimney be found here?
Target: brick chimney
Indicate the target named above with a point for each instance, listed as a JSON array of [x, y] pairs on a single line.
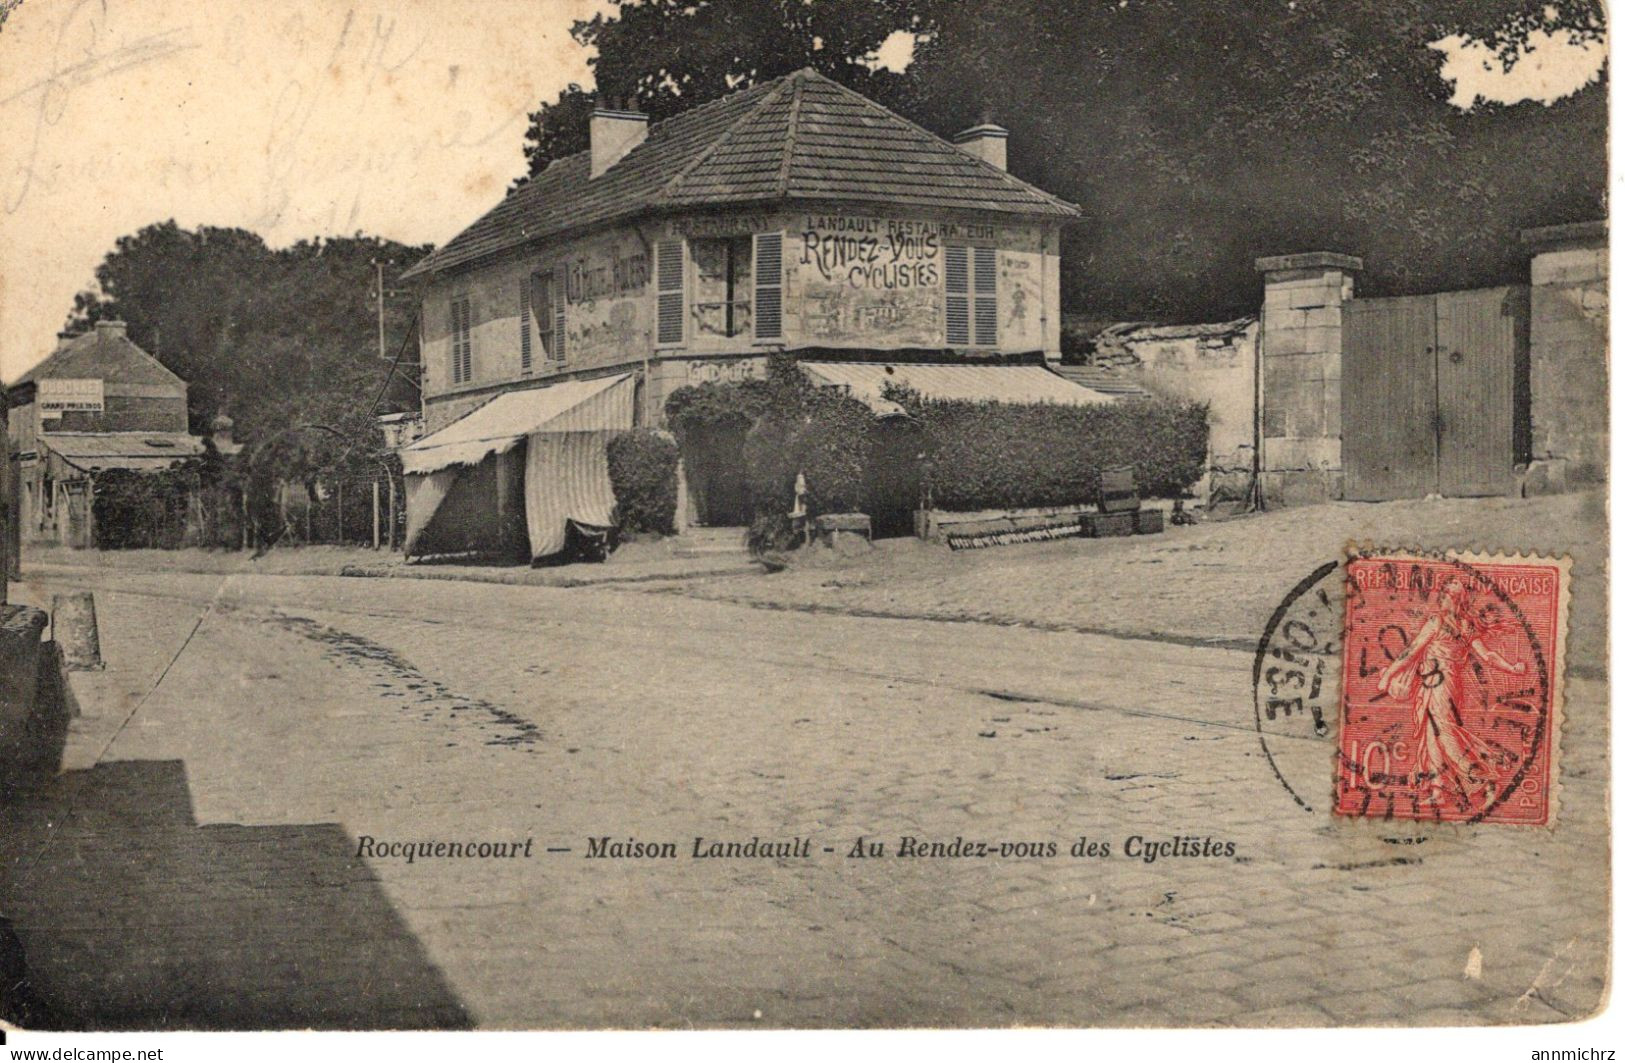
[[109, 330], [985, 141], [614, 132]]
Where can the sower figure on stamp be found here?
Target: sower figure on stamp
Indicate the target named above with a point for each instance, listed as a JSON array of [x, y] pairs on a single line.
[[1433, 671]]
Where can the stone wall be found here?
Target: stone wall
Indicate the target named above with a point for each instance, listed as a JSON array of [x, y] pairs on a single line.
[[1568, 350], [1208, 363]]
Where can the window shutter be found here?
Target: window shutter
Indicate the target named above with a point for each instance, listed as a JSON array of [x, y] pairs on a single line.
[[769, 273], [669, 280], [957, 278], [987, 297], [461, 347], [524, 326], [456, 342], [468, 341], [558, 314]]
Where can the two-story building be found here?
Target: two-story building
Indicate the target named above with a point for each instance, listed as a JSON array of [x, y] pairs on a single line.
[[793, 216], [98, 402]]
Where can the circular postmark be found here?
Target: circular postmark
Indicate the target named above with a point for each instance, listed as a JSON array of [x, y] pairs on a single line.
[[1446, 697], [1295, 685]]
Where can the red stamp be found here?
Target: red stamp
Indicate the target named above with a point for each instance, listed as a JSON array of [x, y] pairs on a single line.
[[1452, 688]]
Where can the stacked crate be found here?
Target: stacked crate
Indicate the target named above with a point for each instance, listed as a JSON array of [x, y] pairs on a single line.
[[1120, 512]]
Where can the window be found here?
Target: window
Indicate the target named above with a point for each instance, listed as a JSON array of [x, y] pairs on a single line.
[[669, 282], [972, 282], [722, 286], [547, 307], [769, 268], [524, 327], [462, 342]]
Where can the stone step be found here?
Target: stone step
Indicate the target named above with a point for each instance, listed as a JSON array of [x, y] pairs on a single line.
[[711, 550]]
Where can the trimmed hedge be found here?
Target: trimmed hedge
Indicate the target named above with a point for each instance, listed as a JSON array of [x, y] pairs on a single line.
[[980, 455], [643, 473], [1005, 455]]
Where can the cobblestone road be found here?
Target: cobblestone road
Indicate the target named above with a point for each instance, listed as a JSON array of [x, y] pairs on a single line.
[[196, 865]]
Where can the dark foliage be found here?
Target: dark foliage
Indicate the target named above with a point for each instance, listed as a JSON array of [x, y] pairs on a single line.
[[698, 410], [980, 455], [643, 473], [283, 341], [665, 56], [835, 447], [993, 455], [1196, 136], [776, 428], [195, 503], [135, 510]]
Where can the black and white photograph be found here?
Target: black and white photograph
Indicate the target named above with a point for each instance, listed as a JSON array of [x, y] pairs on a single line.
[[803, 515]]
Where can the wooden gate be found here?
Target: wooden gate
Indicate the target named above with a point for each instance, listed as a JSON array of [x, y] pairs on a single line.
[[1435, 393]]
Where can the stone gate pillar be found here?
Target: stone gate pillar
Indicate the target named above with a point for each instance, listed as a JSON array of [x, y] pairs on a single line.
[[1568, 354], [1301, 374]]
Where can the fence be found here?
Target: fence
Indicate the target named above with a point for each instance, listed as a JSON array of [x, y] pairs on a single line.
[[341, 511]]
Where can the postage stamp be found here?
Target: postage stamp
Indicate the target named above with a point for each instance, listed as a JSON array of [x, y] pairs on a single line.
[[1452, 687]]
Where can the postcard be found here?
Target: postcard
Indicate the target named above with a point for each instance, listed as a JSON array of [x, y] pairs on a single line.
[[594, 515]]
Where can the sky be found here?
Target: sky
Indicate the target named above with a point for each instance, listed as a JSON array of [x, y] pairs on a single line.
[[299, 118]]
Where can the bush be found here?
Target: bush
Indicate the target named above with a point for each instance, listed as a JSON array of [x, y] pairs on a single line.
[[826, 437], [698, 410], [836, 447], [771, 459], [643, 473], [137, 510], [1004, 455]]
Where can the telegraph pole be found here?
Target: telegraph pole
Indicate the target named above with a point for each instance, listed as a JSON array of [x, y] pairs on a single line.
[[380, 264]]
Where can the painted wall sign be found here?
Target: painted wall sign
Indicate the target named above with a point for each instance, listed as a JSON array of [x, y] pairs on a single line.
[[68, 394], [587, 279], [869, 280], [608, 316], [1021, 301], [721, 225], [713, 371]]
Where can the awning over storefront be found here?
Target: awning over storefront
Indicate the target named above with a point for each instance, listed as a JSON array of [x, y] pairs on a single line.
[[495, 428], [866, 382], [455, 500], [140, 451]]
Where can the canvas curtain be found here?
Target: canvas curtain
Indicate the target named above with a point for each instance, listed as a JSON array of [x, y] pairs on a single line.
[[566, 479], [424, 494]]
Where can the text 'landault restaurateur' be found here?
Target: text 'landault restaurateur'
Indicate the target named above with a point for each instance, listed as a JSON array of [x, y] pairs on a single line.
[[1135, 847]]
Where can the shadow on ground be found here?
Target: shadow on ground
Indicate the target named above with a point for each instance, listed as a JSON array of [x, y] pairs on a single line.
[[118, 911]]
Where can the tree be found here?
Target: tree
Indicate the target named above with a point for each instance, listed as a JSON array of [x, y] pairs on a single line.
[[1200, 136], [709, 48], [1195, 135], [247, 326], [283, 341]]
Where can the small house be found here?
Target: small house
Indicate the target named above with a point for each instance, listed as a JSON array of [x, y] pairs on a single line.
[[795, 216], [97, 403]]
